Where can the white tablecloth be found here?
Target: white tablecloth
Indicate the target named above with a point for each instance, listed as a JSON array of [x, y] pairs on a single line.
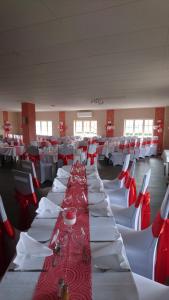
[[12, 151], [165, 157], [112, 284]]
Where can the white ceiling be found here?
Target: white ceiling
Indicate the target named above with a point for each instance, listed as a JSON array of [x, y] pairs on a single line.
[[65, 53]]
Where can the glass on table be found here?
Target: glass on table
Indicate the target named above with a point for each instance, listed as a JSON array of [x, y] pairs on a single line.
[[69, 216]]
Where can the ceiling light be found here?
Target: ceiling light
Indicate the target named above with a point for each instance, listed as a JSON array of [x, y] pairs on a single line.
[[97, 100]]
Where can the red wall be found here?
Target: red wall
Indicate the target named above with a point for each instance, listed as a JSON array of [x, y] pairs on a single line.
[[62, 123], [110, 118], [159, 120], [28, 122]]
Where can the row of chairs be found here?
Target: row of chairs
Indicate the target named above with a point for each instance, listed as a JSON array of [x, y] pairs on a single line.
[[28, 191], [147, 245]]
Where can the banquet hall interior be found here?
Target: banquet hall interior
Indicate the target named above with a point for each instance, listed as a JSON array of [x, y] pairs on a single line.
[[84, 149]]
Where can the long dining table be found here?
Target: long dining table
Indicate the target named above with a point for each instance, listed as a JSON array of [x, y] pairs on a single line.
[[91, 257]]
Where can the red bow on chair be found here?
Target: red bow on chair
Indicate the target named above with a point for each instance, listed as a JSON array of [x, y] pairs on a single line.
[[84, 148], [34, 158], [36, 182], [144, 199], [160, 227], [130, 184], [25, 199], [91, 157], [65, 157], [123, 174]]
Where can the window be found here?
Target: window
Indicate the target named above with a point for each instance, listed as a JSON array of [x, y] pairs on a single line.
[[138, 127], [44, 128], [85, 128]]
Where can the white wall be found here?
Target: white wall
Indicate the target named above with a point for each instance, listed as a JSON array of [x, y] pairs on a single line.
[[49, 116], [99, 115], [136, 113]]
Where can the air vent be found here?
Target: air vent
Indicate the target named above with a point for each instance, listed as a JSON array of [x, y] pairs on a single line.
[[84, 114]]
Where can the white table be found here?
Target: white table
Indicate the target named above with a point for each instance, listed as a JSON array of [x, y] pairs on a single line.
[[165, 157], [104, 240], [14, 151]]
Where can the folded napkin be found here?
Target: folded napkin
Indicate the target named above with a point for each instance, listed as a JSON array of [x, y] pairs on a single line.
[[67, 168], [106, 249], [47, 209], [103, 234], [28, 247], [93, 174], [110, 255], [62, 173], [95, 198], [90, 169], [58, 186], [95, 185], [56, 197], [102, 208]]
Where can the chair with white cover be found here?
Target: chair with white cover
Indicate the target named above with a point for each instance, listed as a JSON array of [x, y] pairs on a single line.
[[154, 146], [148, 146], [125, 196], [43, 168], [137, 149], [135, 216], [142, 148], [92, 154], [28, 166], [147, 250], [118, 157], [8, 240], [117, 183], [65, 154], [25, 195], [149, 289], [82, 146]]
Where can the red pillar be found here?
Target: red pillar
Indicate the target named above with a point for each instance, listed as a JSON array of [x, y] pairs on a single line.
[[28, 122], [110, 123], [62, 123], [159, 122], [5, 118]]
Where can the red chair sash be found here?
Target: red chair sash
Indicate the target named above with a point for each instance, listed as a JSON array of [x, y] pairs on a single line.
[[121, 146], [36, 182], [65, 157], [123, 174], [8, 228], [144, 200], [91, 157], [24, 200], [53, 143], [162, 259], [24, 156], [101, 143], [132, 145], [34, 158], [160, 227], [84, 148], [131, 185]]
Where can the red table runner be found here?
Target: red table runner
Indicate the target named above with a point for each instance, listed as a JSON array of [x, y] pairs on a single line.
[[73, 265]]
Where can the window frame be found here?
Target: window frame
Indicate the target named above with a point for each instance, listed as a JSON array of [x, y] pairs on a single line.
[[47, 126], [139, 134], [84, 133]]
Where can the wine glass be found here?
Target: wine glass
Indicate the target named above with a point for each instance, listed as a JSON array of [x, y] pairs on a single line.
[[69, 217]]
